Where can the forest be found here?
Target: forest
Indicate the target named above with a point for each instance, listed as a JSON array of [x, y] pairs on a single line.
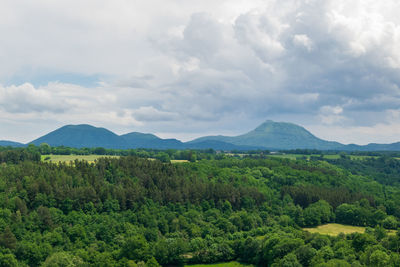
[[141, 210]]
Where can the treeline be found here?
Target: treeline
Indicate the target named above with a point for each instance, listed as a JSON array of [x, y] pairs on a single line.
[[306, 195], [384, 169], [18, 155], [162, 155]]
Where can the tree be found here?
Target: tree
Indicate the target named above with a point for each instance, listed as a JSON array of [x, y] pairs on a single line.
[[63, 259], [8, 260], [44, 148], [379, 258], [305, 254], [317, 213], [136, 248], [390, 222], [7, 239], [152, 262], [290, 260]]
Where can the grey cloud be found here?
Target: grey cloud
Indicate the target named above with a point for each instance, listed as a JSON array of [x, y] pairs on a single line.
[[180, 67], [149, 113]]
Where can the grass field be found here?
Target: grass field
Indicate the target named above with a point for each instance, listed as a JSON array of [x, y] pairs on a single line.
[[88, 158], [224, 264], [178, 160], [68, 158], [333, 229], [334, 156]]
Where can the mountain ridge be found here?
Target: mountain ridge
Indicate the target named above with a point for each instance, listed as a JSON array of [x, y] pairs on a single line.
[[11, 143], [268, 135]]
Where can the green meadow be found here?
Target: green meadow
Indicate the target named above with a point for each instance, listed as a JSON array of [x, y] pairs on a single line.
[[334, 229], [69, 158], [223, 264]]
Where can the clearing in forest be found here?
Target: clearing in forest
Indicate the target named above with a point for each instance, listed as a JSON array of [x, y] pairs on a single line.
[[68, 158], [223, 264], [334, 229]]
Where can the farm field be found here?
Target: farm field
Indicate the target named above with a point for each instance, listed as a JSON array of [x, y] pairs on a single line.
[[89, 158], [68, 158], [334, 156], [223, 264]]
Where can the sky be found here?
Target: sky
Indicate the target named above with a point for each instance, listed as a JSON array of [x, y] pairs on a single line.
[[185, 68]]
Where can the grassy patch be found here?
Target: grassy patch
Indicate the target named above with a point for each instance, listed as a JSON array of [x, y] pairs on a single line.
[[333, 156], [287, 156], [69, 158], [223, 264], [178, 160], [334, 229]]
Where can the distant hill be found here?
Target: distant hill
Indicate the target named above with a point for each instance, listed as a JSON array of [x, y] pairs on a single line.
[[269, 135], [217, 145], [374, 147], [276, 135], [141, 140], [82, 135], [10, 143]]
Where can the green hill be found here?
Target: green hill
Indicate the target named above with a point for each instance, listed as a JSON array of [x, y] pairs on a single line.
[[276, 135], [269, 135], [10, 143], [82, 135], [142, 140]]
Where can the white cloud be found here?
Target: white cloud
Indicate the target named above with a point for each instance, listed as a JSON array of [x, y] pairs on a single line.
[[303, 41]]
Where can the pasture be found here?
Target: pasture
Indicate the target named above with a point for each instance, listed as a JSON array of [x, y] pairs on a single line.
[[69, 158], [223, 264], [332, 156], [179, 160], [88, 158]]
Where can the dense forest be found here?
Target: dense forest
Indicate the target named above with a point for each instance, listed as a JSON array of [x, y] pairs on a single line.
[[133, 211]]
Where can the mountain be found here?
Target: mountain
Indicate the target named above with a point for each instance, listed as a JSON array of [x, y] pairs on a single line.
[[276, 135], [141, 140], [217, 145], [82, 135], [10, 143], [269, 135], [374, 147]]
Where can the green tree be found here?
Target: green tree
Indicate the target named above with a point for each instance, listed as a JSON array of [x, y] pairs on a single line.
[[63, 259], [8, 260], [7, 239], [379, 259], [136, 248], [290, 260]]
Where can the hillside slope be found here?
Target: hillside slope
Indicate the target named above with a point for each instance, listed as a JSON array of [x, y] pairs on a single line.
[[276, 135], [82, 135], [142, 140], [10, 143]]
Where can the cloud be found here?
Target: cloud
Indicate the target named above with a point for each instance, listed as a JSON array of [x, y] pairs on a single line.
[[187, 67], [25, 99], [150, 113]]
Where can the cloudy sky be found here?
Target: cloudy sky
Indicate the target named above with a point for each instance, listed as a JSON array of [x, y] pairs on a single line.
[[186, 68]]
